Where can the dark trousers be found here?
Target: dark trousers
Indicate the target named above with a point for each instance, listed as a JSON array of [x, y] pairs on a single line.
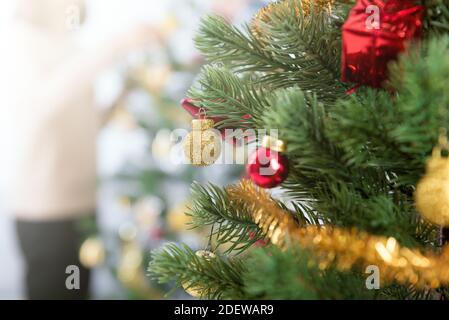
[[49, 249]]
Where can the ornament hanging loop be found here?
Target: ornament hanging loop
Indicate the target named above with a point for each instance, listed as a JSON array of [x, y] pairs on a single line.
[[202, 113]]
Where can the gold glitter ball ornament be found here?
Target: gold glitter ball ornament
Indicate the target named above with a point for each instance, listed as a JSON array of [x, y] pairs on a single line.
[[193, 291], [196, 291], [432, 192], [203, 145]]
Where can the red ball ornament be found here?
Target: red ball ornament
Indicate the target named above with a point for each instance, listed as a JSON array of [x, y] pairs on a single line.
[[268, 168], [375, 33]]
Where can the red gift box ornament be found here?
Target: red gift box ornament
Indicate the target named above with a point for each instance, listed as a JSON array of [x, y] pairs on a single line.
[[375, 33]]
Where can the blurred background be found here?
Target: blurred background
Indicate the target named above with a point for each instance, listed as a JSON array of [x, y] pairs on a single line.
[[63, 62]]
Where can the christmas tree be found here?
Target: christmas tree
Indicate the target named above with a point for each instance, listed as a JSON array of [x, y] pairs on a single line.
[[358, 93]]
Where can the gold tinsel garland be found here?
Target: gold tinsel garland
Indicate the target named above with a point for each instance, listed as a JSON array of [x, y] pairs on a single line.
[[343, 248]]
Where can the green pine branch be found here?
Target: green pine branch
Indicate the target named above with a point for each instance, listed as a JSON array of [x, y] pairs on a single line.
[[223, 94], [381, 212], [231, 225], [293, 50], [310, 45], [301, 120], [217, 278], [437, 16], [290, 276]]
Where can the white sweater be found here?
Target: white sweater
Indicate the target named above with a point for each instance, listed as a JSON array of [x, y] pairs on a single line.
[[47, 126]]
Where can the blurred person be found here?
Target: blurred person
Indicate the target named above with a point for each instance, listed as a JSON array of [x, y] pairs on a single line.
[[48, 134]]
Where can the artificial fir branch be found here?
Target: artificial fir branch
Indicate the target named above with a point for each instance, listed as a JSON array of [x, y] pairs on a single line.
[[437, 18], [239, 281], [296, 49], [216, 278], [223, 94], [289, 276], [309, 40], [232, 221], [212, 207], [422, 103], [223, 43], [301, 121], [362, 117], [378, 214]]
